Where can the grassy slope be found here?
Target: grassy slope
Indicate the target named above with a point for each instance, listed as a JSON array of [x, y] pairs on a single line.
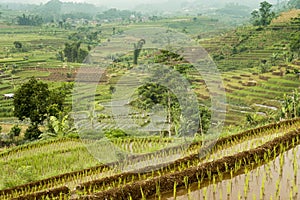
[[44, 159]]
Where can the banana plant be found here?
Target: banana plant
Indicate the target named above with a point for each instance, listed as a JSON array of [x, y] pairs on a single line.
[[60, 127], [290, 107]]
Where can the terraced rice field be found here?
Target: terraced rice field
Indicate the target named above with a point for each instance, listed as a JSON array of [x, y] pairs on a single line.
[[276, 179], [199, 164], [153, 167], [240, 73]]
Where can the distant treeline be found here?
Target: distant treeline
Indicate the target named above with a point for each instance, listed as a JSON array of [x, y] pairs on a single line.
[[29, 20], [114, 13]]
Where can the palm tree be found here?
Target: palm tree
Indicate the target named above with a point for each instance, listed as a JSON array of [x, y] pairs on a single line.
[[137, 50]]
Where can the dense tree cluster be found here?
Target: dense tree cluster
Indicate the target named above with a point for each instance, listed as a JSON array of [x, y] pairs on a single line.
[[56, 10], [165, 89], [114, 14], [264, 15], [34, 100], [73, 53], [153, 94], [77, 15], [86, 35], [30, 20]]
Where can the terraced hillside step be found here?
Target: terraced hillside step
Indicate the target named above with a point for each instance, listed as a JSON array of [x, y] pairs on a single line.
[[191, 172], [290, 27], [79, 180], [4, 87], [10, 60]]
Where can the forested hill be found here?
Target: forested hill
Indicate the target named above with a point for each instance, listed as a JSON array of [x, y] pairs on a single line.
[[55, 9], [67, 7]]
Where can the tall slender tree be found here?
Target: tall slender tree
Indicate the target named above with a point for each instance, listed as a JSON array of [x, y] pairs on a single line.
[[137, 50], [264, 15]]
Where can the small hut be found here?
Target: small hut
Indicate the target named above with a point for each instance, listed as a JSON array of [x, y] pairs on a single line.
[[9, 96]]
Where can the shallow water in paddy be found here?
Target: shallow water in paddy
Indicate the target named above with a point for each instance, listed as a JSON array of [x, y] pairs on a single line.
[[270, 181]]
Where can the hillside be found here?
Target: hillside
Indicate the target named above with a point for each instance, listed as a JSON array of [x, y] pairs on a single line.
[[241, 57], [100, 150], [55, 6], [286, 17]]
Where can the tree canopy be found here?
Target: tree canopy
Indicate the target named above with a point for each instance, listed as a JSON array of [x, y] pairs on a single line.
[[74, 53], [137, 49], [18, 45], [34, 100], [29, 20], [263, 16], [31, 101], [113, 14]]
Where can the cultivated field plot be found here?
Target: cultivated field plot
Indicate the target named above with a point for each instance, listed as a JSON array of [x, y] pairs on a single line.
[[120, 135], [277, 179], [228, 157]]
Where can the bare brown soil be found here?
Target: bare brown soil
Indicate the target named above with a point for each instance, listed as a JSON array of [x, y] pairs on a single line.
[[285, 17], [68, 75]]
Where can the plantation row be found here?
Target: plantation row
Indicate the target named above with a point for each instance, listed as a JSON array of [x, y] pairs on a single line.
[[187, 162], [154, 172], [72, 179], [274, 179], [206, 172]]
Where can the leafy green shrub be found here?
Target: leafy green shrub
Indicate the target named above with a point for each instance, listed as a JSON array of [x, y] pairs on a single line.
[[115, 133], [73, 135], [264, 66], [15, 131], [234, 50], [259, 29], [218, 57], [18, 45], [243, 49], [69, 75], [32, 132]]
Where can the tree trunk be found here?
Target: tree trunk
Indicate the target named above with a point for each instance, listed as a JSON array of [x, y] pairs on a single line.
[[169, 114]]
